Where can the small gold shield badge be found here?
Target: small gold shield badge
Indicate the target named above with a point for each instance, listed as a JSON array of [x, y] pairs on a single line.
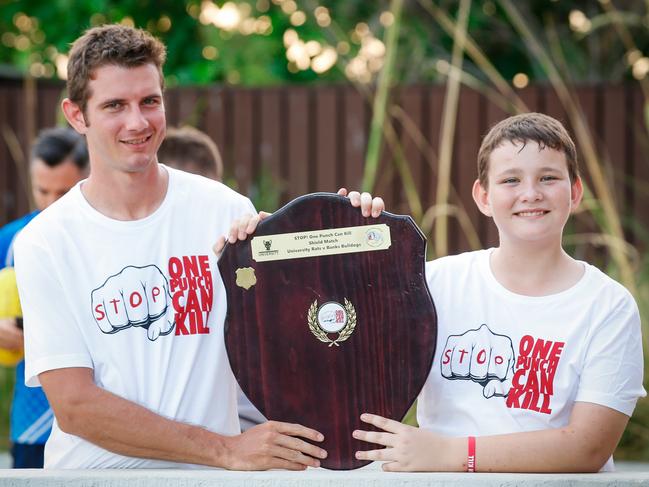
[[246, 277]]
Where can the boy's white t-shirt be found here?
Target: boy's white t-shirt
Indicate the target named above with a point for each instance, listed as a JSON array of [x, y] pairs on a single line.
[[508, 363], [140, 302]]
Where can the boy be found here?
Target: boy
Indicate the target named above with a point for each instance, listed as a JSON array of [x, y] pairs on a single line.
[[539, 356]]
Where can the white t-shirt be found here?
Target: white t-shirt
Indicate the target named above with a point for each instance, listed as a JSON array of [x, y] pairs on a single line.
[[140, 302], [508, 363]]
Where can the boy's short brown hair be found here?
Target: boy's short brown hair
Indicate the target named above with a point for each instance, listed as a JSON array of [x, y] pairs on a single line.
[[537, 127], [191, 150], [110, 44]]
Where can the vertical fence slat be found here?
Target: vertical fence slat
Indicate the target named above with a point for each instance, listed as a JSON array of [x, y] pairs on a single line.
[[324, 153], [242, 141], [298, 140], [355, 138]]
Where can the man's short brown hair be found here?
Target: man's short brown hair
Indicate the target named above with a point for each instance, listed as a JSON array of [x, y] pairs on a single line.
[[535, 127], [191, 150], [110, 44]]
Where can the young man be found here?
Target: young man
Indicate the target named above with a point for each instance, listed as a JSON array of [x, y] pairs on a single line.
[[539, 357], [123, 306], [59, 159]]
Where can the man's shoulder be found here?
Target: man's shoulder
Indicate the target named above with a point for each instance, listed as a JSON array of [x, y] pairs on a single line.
[[200, 187]]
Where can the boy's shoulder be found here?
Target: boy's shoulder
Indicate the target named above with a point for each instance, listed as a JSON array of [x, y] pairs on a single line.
[[458, 261]]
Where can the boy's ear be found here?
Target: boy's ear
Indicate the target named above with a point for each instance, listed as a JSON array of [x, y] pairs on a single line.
[[74, 115], [481, 198], [576, 194]]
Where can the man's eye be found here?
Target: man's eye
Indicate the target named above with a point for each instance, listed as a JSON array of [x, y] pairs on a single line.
[[114, 105]]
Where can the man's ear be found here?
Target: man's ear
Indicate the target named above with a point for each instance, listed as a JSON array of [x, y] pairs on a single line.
[[74, 115], [481, 198], [576, 194]]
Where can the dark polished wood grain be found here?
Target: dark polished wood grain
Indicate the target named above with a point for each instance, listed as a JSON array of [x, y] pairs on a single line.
[[292, 376]]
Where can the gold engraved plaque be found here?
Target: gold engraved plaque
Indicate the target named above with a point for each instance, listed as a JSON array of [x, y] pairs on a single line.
[[334, 241], [330, 318]]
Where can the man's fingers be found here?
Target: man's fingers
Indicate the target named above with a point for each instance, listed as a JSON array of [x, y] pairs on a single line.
[[263, 215], [251, 226], [295, 456], [293, 429], [218, 246], [298, 445], [385, 424]]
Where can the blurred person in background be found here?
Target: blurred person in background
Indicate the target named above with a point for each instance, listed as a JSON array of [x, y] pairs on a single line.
[[58, 160], [191, 150]]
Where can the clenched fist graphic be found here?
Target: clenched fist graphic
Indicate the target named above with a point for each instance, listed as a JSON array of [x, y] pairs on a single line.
[[481, 356], [136, 296]]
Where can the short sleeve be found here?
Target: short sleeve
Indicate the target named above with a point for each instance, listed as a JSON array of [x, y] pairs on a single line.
[[52, 337], [613, 365]]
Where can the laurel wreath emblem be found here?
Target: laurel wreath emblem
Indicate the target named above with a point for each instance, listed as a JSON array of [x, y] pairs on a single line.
[[322, 335]]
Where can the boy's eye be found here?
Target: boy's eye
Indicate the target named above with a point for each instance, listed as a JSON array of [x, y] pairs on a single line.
[[510, 180], [548, 178]]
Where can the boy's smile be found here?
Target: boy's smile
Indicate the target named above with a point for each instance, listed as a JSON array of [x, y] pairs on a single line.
[[529, 193]]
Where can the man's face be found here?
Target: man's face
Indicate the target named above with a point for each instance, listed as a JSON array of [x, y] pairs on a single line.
[[124, 122], [50, 183]]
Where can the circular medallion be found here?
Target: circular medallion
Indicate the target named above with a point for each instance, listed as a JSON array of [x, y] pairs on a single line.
[[374, 237], [332, 317]]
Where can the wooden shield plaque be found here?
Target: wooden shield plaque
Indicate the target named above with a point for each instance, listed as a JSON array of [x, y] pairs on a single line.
[[329, 316]]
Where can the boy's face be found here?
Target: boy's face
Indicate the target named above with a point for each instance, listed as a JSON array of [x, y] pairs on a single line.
[[124, 122], [529, 194]]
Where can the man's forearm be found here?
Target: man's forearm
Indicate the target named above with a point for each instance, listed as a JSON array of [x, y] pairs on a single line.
[[126, 428]]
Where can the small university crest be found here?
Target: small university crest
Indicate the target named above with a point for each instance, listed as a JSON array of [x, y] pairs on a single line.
[[246, 277], [332, 317], [267, 244]]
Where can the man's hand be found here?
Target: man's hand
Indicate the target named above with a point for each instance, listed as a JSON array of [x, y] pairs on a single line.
[[409, 449], [274, 445], [247, 224], [11, 337]]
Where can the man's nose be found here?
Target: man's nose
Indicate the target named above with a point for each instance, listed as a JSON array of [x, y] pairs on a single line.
[[136, 119]]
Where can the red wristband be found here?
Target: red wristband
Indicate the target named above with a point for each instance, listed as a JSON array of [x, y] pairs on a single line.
[[470, 460]]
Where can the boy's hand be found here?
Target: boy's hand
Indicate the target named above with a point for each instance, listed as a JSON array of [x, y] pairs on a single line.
[[274, 445], [246, 225], [409, 449], [369, 206]]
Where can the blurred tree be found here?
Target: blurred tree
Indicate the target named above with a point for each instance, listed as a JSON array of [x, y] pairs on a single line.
[[265, 42]]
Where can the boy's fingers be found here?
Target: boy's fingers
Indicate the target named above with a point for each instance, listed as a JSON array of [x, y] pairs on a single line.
[[342, 192], [366, 204], [385, 439], [355, 198], [377, 206], [385, 424], [383, 454]]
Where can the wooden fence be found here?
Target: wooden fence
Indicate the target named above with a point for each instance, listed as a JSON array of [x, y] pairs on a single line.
[[305, 139]]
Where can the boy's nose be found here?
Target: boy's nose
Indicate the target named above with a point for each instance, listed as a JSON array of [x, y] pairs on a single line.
[[531, 192]]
